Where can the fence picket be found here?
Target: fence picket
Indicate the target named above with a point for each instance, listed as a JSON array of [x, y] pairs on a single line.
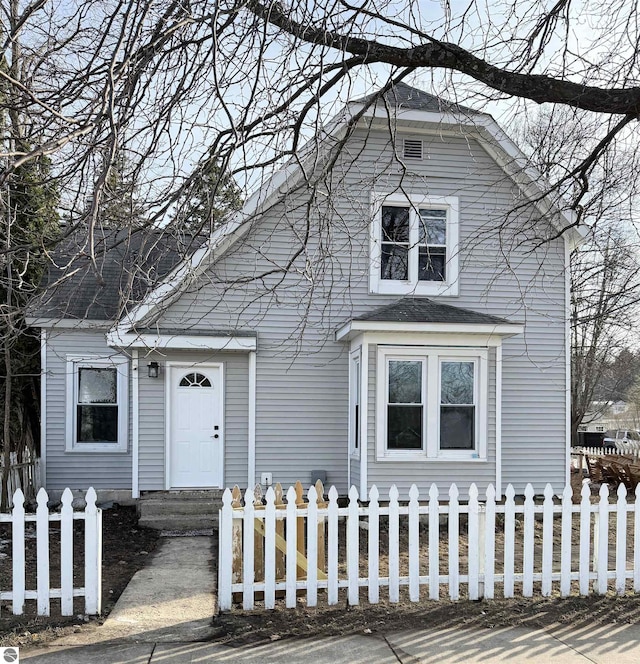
[[17, 552], [621, 539], [603, 540], [248, 550], [434, 544], [547, 540], [42, 549], [92, 554], [473, 554], [565, 541], [394, 545], [292, 548], [66, 554], [490, 543], [332, 553], [270, 550], [509, 540], [527, 554], [374, 545], [353, 548], [312, 546], [453, 545], [414, 544], [585, 539], [225, 565]]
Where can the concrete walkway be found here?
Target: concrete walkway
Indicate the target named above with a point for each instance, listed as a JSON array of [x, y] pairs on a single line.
[[165, 617]]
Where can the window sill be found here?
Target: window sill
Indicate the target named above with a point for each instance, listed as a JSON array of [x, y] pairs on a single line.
[[430, 459], [389, 287], [96, 449]]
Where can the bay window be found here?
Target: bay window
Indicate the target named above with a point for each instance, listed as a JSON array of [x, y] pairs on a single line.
[[431, 403]]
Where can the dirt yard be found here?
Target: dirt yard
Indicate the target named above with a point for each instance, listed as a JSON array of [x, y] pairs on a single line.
[[125, 549]]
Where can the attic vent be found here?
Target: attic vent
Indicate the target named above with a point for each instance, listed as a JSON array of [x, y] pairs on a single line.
[[412, 149]]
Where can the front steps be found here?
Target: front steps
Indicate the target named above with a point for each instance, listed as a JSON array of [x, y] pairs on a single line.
[[180, 511]]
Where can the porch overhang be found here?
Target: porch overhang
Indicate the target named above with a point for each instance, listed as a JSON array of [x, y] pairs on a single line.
[[353, 328], [167, 340]]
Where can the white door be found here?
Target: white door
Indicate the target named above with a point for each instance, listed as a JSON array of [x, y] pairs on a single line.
[[196, 436]]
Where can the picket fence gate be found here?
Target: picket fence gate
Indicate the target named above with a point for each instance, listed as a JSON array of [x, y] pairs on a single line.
[[574, 558], [92, 589]]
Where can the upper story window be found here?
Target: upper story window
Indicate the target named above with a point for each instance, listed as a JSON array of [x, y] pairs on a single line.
[[414, 245], [97, 404]]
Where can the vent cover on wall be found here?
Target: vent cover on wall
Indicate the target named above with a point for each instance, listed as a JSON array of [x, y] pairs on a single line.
[[412, 148]]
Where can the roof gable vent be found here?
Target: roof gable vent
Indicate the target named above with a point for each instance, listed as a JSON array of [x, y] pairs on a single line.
[[412, 148]]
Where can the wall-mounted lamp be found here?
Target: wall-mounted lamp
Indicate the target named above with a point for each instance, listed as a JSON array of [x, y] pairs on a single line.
[[154, 369]]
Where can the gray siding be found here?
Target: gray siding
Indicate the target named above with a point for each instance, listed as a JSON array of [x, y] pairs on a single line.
[[78, 470], [302, 372], [152, 417]]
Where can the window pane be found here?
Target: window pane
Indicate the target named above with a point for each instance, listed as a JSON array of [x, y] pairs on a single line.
[[395, 224], [431, 264], [404, 427], [97, 385], [97, 424], [433, 227], [405, 381], [456, 383], [457, 425], [394, 263]]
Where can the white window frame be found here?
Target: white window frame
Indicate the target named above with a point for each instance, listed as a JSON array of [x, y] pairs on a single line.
[[355, 381], [412, 286], [73, 364], [432, 357]]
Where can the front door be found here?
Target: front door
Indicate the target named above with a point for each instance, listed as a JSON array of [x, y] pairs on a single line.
[[195, 431]]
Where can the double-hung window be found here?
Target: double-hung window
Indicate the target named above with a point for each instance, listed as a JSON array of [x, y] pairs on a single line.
[[414, 245], [431, 403], [97, 404]]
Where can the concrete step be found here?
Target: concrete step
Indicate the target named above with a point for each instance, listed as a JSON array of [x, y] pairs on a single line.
[[190, 494], [179, 522], [164, 507]]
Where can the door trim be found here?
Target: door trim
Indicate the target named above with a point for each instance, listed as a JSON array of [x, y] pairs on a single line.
[[171, 368]]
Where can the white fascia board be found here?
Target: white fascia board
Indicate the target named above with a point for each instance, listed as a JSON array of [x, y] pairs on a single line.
[[68, 323], [352, 328], [180, 342]]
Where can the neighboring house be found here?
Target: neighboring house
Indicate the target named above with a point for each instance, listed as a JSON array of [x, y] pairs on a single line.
[[401, 318]]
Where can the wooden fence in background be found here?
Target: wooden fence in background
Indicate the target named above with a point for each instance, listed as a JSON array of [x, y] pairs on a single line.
[[482, 548], [17, 592]]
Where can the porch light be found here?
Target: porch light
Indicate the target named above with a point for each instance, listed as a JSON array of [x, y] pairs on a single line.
[[154, 369]]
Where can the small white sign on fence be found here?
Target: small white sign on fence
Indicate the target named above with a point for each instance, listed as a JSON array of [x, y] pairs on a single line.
[[43, 593], [478, 547]]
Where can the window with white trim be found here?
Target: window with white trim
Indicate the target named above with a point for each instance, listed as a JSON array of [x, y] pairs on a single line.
[[414, 245], [431, 403], [354, 404], [97, 404]]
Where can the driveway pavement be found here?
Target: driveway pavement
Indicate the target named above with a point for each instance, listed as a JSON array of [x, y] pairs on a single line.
[[165, 617]]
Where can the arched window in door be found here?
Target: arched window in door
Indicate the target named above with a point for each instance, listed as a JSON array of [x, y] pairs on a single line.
[[195, 379]]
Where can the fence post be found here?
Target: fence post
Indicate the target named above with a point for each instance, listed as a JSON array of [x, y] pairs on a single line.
[[92, 554], [227, 549], [603, 540], [394, 545], [527, 557], [585, 536], [490, 543], [42, 548], [17, 552], [66, 554], [291, 561], [332, 545], [414, 544], [621, 539], [509, 540], [312, 546], [547, 541], [270, 550], [565, 541], [248, 542]]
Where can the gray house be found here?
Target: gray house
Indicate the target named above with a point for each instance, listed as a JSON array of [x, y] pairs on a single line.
[[390, 308]]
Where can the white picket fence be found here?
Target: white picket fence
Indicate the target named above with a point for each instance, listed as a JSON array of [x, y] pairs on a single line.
[[43, 593], [504, 548]]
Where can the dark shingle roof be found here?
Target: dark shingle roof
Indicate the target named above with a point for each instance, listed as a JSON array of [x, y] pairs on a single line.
[[403, 96], [128, 264], [423, 310]]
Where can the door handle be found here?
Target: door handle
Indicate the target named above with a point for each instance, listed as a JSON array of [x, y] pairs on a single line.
[[215, 435]]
